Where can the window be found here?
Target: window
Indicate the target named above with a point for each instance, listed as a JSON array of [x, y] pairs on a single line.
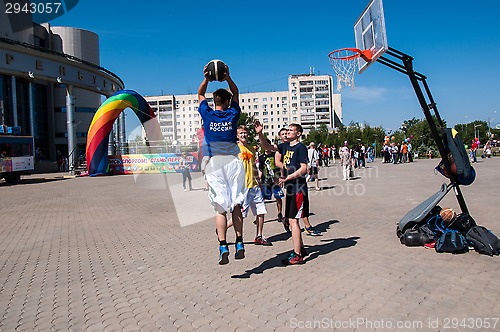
[[264, 99]]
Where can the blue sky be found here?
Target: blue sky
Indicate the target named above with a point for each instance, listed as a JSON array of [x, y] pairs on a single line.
[[161, 47]]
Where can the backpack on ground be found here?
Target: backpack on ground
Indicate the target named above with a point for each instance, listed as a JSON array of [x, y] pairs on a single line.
[[452, 242], [436, 225], [462, 222], [483, 240]]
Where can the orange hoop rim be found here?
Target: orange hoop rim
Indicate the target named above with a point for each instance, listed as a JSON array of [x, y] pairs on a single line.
[[365, 54]]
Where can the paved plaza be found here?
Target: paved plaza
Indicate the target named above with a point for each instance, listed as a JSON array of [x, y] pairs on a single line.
[[136, 253]]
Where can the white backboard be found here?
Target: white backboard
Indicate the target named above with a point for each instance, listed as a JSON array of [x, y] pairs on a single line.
[[369, 32]]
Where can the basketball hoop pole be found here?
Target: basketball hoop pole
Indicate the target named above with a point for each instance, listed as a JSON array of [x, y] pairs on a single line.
[[415, 78]]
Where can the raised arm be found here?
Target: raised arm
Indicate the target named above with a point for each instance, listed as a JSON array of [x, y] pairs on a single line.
[[203, 86], [232, 86], [264, 144]]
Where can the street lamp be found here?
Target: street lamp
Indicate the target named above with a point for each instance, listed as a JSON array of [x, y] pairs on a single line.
[[476, 126], [489, 124]]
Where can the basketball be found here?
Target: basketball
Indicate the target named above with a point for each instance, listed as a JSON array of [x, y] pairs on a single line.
[[216, 70], [447, 215]]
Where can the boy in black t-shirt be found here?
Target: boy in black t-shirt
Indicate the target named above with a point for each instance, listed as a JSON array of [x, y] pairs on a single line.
[[295, 160]]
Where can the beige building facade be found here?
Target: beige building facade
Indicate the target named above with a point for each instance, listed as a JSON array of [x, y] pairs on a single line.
[[309, 101]]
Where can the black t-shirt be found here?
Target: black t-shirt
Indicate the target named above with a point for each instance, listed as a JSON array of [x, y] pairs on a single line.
[[293, 156]]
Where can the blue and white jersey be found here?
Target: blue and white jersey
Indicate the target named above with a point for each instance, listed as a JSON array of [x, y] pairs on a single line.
[[220, 129]]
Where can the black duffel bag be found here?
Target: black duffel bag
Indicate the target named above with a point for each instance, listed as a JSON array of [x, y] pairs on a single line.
[[462, 223]]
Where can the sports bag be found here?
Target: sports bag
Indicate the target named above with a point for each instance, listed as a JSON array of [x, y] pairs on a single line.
[[436, 224], [483, 240], [414, 238], [461, 168], [452, 242], [462, 223]]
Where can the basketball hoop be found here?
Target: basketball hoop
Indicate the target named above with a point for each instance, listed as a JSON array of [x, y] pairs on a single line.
[[344, 63]]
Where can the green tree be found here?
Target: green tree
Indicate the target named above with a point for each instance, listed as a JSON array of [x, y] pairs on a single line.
[[317, 135], [248, 120], [468, 131]]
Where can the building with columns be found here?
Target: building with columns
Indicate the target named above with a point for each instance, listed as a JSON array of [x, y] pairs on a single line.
[[51, 83]]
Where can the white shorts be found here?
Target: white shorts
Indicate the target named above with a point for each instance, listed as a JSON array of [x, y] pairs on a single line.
[[254, 201], [226, 178]]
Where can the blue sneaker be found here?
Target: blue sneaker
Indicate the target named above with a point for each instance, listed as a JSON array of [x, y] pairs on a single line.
[[312, 231], [240, 250], [223, 255]]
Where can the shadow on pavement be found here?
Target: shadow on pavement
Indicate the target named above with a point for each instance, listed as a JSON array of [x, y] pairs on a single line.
[[314, 251], [322, 227], [32, 181]]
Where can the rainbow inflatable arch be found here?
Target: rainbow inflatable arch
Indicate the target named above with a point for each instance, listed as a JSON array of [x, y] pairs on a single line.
[[102, 124]]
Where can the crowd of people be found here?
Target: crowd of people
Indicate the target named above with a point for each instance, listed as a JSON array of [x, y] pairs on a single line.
[[397, 153], [240, 179]]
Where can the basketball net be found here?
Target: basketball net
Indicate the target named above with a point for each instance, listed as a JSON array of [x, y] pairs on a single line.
[[344, 63]]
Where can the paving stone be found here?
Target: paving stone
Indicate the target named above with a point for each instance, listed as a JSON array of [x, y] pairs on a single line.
[[80, 259]]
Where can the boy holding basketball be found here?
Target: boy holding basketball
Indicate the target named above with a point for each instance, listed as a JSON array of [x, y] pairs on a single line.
[[224, 171]]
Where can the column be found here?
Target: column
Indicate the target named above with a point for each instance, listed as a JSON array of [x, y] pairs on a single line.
[[31, 108], [14, 101], [122, 134], [70, 123], [112, 141]]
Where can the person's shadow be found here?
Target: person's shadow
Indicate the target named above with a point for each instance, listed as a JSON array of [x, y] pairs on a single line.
[[322, 227], [314, 251]]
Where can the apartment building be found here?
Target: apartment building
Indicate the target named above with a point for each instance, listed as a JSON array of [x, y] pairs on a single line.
[[309, 101], [312, 102]]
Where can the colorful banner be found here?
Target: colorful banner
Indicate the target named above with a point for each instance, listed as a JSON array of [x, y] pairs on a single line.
[[150, 163], [15, 164]]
